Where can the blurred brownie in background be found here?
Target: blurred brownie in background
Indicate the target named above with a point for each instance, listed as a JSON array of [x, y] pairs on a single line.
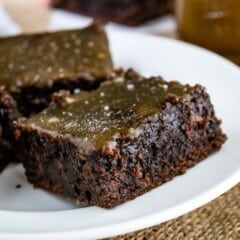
[[128, 12], [34, 66]]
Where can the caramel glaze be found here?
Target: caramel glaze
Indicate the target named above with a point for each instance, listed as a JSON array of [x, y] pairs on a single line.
[[117, 107], [39, 60]]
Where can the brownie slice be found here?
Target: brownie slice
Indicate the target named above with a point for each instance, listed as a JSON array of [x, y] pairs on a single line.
[[113, 144], [129, 12], [8, 113], [32, 67]]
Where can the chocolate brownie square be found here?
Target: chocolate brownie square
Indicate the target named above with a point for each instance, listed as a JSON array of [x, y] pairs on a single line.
[[113, 144], [32, 67]]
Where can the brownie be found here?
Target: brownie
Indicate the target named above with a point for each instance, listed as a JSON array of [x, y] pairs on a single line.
[[113, 144], [129, 12], [8, 113], [32, 67]]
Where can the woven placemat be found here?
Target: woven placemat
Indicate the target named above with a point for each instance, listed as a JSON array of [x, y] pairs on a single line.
[[218, 220]]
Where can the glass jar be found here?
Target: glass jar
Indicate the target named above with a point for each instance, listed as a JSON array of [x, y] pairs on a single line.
[[213, 24]]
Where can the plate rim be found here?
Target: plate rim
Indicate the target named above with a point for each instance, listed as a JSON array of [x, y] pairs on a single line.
[[124, 227]]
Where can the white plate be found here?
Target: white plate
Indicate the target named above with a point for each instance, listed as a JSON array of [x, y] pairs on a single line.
[[33, 214]]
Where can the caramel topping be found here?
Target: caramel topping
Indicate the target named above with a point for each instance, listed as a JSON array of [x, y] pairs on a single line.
[[117, 107], [41, 59]]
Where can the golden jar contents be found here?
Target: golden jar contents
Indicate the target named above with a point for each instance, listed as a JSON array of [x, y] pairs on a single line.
[[213, 24]]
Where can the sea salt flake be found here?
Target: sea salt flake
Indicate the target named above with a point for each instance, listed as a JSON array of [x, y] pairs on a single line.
[[36, 78], [90, 44], [165, 86], [106, 108], [73, 36], [77, 42], [130, 86], [135, 132], [111, 144], [101, 56], [22, 67], [69, 125], [85, 60], [118, 80], [67, 45], [53, 120], [10, 65], [76, 91], [69, 100], [76, 50]]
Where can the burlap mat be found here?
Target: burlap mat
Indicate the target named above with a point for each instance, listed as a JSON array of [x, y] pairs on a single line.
[[218, 220]]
